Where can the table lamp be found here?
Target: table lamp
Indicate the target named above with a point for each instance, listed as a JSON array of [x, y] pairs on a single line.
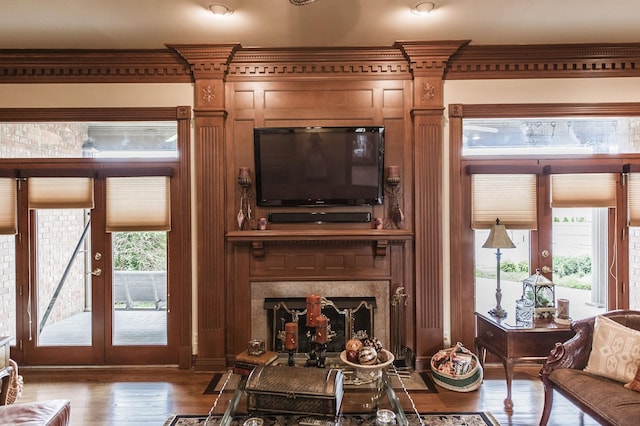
[[498, 239]]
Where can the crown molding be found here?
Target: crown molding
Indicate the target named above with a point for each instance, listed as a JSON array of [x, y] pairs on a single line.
[[93, 66], [544, 61], [456, 60]]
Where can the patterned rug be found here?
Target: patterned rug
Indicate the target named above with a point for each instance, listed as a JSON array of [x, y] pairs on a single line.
[[433, 419]]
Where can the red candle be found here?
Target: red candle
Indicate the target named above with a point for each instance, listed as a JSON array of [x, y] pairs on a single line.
[[313, 309], [393, 171], [291, 336], [244, 172], [321, 329]]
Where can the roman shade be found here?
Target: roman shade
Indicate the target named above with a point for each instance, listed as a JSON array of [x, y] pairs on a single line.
[[583, 190], [140, 203], [510, 197], [8, 206], [60, 193]]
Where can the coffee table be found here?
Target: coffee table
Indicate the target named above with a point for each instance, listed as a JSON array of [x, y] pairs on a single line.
[[363, 400]]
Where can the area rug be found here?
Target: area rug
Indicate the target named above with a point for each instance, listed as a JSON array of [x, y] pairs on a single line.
[[416, 382], [429, 419]]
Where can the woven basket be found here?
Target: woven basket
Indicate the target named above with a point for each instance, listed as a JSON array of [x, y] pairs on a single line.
[[16, 384], [443, 370]]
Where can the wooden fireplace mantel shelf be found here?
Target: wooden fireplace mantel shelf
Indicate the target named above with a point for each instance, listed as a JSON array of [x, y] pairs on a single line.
[[381, 238]]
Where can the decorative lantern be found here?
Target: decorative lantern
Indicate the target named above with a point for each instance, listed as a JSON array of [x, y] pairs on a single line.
[[542, 292]]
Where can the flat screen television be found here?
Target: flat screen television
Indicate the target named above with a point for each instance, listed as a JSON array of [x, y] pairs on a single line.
[[317, 166]]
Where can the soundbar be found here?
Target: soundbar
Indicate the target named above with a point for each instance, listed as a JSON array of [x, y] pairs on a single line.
[[302, 217]]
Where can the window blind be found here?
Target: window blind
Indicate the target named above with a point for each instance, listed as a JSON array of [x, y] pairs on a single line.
[[60, 193], [8, 206], [583, 190], [140, 203], [633, 199], [510, 197]]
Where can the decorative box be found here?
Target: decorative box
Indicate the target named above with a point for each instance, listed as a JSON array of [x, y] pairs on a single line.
[[295, 390]]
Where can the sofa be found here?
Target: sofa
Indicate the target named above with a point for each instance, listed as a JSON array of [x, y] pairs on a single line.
[[56, 412], [597, 370]]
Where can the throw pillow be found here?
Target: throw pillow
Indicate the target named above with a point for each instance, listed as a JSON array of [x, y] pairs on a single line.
[[635, 383], [615, 351]]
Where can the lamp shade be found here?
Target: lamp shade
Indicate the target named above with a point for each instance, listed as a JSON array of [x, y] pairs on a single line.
[[498, 237]]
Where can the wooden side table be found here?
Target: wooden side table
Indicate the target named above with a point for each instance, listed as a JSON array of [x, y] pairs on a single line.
[[514, 344]]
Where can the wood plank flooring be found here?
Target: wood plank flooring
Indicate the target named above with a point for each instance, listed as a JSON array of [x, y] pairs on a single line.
[[146, 396]]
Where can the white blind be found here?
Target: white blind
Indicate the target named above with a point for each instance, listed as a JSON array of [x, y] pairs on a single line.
[[8, 206], [510, 197], [60, 193], [583, 190], [138, 204], [633, 199]]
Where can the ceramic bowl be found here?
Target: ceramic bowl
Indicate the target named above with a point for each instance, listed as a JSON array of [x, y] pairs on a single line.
[[368, 373]]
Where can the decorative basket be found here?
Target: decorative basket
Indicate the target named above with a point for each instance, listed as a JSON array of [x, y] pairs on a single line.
[[16, 384], [456, 369]]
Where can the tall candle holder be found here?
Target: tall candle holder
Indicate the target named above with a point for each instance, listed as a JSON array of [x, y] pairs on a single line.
[[244, 214], [396, 215]]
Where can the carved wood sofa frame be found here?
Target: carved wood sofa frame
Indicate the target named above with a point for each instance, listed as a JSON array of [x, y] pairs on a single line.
[[574, 354]]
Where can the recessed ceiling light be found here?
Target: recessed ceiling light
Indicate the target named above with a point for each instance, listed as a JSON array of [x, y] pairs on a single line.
[[220, 9], [422, 8]]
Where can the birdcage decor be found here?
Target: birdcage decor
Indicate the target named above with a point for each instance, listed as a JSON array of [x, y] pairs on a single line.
[[542, 292]]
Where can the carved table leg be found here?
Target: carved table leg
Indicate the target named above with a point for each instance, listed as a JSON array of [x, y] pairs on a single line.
[[508, 370]]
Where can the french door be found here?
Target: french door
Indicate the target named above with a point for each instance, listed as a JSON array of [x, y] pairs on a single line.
[[94, 297]]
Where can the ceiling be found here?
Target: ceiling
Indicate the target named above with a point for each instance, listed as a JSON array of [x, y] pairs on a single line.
[[152, 24]]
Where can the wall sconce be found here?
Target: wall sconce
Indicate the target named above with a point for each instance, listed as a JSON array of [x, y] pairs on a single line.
[[220, 9], [423, 8], [244, 180], [393, 195]]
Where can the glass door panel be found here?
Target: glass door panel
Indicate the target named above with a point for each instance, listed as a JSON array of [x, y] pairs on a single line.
[[64, 309], [634, 268], [580, 259], [139, 288]]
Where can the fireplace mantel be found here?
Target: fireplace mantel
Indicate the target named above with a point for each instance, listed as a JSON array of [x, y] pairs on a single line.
[[380, 238]]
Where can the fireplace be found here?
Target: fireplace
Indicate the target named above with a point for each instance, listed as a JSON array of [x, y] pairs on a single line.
[[368, 300]]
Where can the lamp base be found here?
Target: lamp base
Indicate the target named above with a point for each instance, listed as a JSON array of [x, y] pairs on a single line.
[[498, 312]]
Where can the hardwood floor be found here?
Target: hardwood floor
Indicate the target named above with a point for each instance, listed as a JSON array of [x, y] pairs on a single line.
[[149, 395]]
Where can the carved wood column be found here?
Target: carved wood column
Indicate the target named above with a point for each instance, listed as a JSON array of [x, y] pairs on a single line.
[[428, 62], [209, 66]]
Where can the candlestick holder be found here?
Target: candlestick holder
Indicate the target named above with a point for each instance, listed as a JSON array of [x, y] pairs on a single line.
[[322, 355], [290, 361], [396, 216], [244, 214]]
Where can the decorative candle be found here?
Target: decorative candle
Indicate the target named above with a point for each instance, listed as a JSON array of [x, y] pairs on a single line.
[[313, 309], [244, 172], [291, 336], [563, 308], [393, 171], [321, 329]]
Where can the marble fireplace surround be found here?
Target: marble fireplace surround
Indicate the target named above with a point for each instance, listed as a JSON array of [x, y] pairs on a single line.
[[328, 289]]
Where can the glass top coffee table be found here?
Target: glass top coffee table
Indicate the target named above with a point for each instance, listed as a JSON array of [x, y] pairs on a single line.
[[364, 402]]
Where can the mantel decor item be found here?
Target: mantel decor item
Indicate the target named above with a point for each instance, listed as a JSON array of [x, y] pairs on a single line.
[[244, 214], [542, 292], [498, 239]]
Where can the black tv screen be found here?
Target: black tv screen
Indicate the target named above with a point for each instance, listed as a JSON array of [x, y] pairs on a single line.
[[315, 166]]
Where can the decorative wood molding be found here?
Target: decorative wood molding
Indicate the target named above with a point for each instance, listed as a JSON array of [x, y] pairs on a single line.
[[381, 239], [545, 61], [92, 66], [429, 58], [207, 61], [387, 63]]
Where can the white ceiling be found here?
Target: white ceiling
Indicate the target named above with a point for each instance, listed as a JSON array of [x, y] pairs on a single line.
[[150, 24]]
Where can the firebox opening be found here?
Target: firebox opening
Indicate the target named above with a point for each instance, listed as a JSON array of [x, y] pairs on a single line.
[[348, 316]]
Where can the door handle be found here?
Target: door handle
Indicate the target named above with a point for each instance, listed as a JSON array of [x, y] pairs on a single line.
[[97, 272], [546, 269]]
